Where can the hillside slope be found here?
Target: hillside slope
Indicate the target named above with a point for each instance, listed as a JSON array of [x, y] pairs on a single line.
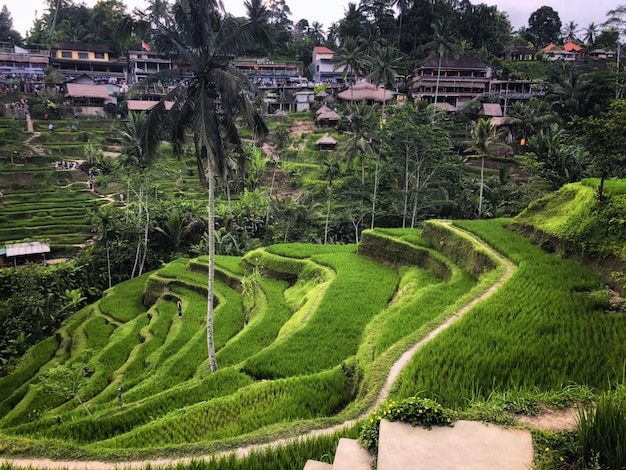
[[573, 223]]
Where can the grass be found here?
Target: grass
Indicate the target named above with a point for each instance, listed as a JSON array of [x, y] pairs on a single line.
[[317, 346], [528, 336]]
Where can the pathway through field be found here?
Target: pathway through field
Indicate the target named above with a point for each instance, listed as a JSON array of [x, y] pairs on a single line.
[[394, 372]]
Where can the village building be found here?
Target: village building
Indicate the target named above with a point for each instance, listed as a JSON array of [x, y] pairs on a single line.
[[23, 69], [324, 68], [97, 61], [452, 80], [25, 252], [326, 142]]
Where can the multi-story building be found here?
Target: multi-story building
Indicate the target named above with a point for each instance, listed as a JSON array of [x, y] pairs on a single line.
[[455, 81], [142, 64], [23, 69], [324, 67], [97, 61]]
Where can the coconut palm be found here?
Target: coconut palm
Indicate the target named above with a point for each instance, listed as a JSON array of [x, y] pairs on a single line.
[[332, 170], [360, 127], [137, 141], [402, 5], [442, 45], [382, 72], [570, 32], [526, 118], [483, 135], [591, 32], [350, 59], [208, 99]]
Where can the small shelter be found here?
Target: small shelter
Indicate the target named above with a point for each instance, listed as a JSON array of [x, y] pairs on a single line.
[[20, 253], [323, 109], [328, 118], [326, 142]]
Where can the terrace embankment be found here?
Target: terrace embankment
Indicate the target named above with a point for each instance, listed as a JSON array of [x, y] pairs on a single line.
[[444, 241], [603, 264]]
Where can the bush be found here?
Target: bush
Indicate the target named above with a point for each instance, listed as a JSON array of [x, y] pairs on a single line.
[[415, 411]]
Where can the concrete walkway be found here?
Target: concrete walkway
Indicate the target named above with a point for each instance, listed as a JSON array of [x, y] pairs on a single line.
[[469, 445]]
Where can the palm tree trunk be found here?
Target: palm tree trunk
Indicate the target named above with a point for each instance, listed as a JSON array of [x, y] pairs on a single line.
[[482, 179], [438, 76], [327, 219], [406, 187], [211, 286], [145, 239], [108, 263]]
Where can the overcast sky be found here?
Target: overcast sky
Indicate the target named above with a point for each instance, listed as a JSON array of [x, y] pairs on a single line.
[[326, 12]]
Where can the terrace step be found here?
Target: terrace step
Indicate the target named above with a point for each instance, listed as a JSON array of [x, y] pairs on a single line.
[[470, 445], [351, 455], [315, 465]]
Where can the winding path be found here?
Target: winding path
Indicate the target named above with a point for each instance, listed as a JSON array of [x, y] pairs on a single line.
[[394, 372]]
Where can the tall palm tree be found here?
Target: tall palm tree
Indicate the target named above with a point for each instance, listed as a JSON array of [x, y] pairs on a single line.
[[402, 5], [570, 31], [208, 99], [591, 32], [382, 72], [483, 135], [360, 126], [332, 170], [350, 59], [442, 45], [159, 12]]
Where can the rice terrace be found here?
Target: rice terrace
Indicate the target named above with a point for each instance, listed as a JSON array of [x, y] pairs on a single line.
[[250, 243], [316, 347]]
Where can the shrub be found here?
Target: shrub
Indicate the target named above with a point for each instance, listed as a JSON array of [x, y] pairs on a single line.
[[413, 410]]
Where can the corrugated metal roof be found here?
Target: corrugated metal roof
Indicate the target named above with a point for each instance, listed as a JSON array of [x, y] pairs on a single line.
[[27, 248]]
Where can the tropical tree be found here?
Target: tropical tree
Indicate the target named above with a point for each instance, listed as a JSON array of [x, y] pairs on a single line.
[[591, 32], [570, 31], [159, 12], [556, 157], [441, 46], [350, 59], [544, 24], [66, 380], [332, 170], [573, 93], [382, 72], [361, 119], [605, 139], [105, 220], [483, 135], [137, 140], [402, 6], [209, 103], [7, 33], [527, 117], [177, 226]]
